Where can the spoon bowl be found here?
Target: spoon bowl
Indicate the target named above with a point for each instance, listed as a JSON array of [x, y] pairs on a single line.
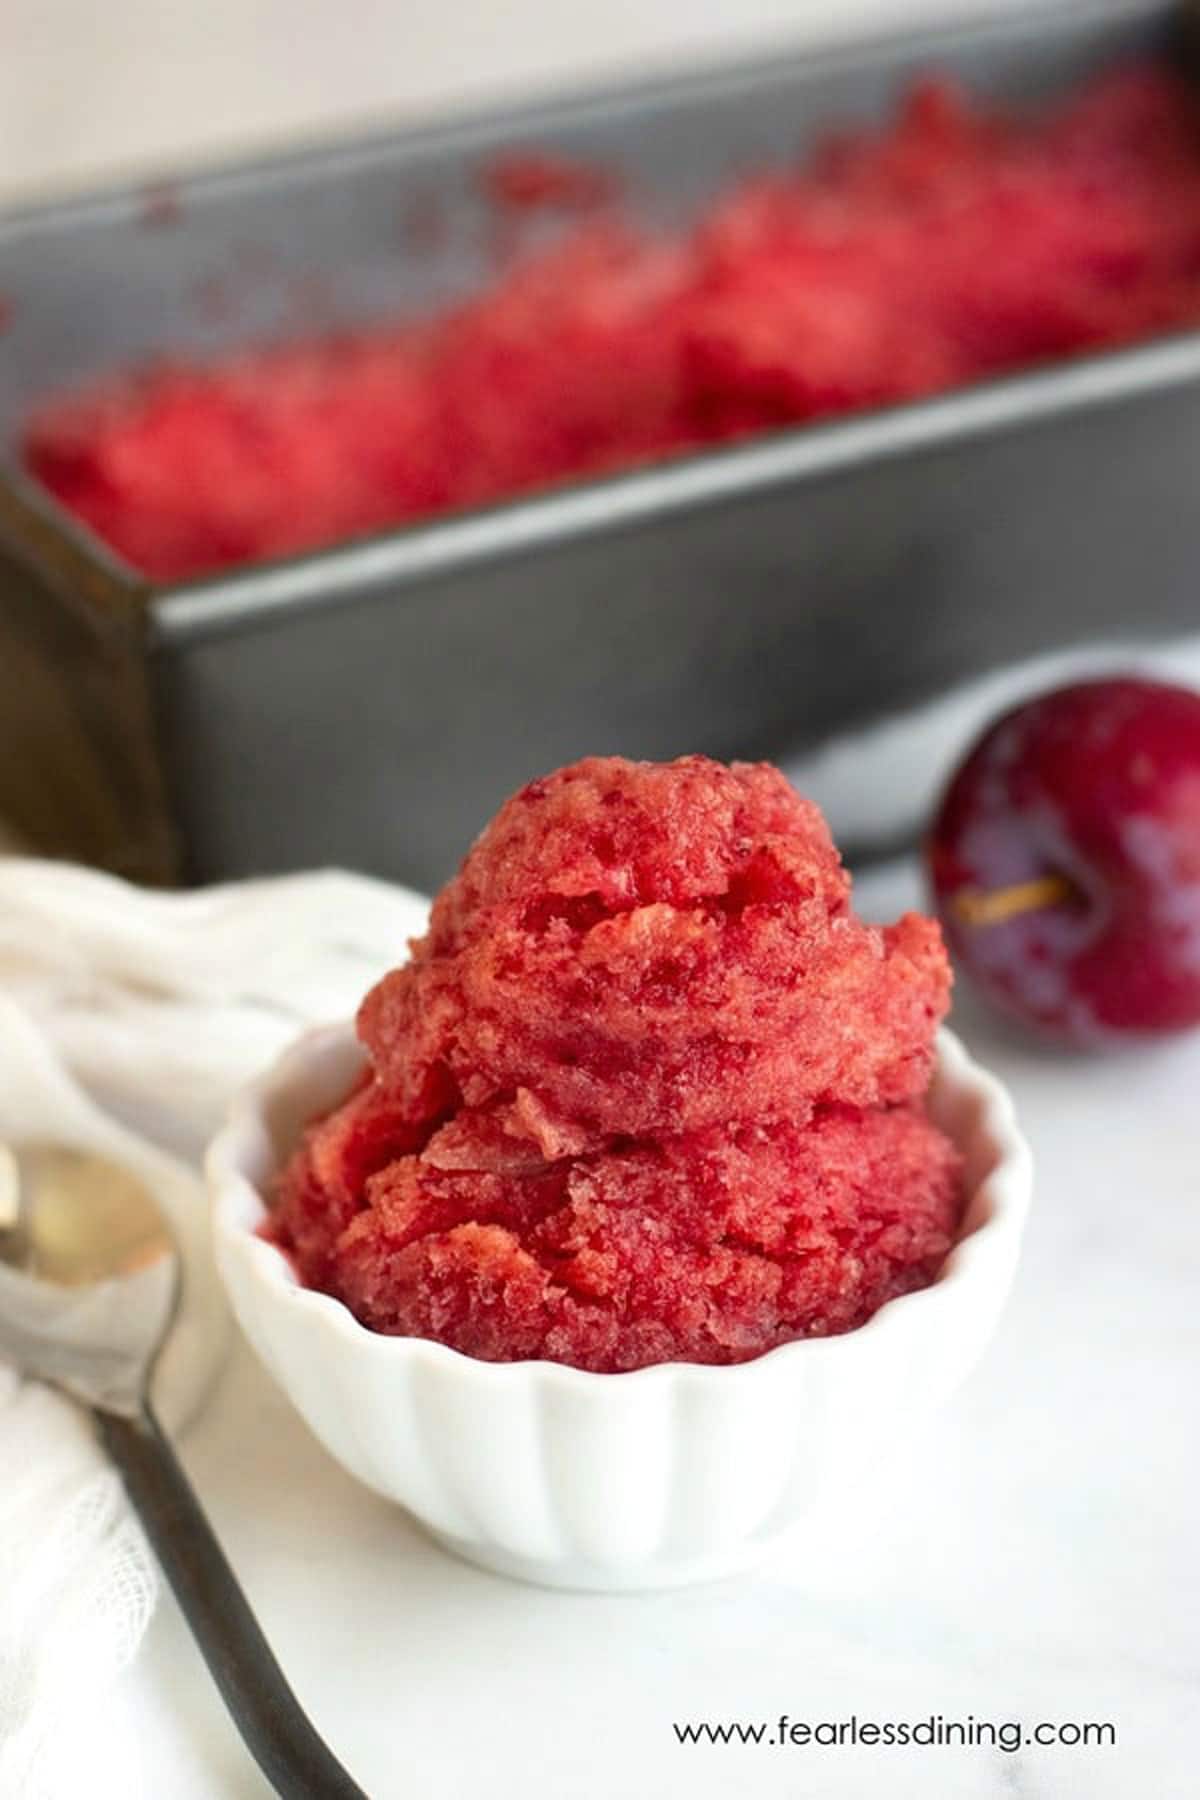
[[89, 1274]]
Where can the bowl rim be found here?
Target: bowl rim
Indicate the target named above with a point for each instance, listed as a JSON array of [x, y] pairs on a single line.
[[1005, 1191]]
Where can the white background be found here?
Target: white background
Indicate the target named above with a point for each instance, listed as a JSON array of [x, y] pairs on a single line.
[[94, 86]]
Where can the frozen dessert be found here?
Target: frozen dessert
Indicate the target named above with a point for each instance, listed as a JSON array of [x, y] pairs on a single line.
[[957, 241], [647, 1090]]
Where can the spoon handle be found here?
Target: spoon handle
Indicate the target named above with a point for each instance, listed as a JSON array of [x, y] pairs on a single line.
[[276, 1730]]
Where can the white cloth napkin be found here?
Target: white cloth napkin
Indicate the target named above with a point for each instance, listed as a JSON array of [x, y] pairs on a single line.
[[126, 1020]]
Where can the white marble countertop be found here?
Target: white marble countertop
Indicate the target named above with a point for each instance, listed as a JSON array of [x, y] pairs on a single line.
[[1035, 1559]]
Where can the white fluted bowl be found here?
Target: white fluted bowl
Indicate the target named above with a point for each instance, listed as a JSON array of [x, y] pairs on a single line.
[[667, 1475]]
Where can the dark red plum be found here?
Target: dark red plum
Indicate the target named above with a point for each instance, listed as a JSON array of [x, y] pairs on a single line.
[[1065, 861]]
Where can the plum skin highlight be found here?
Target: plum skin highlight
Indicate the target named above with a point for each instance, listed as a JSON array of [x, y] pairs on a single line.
[[1064, 859]]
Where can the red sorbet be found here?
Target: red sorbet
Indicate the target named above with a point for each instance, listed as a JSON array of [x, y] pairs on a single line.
[[640, 948], [958, 242], [646, 1090]]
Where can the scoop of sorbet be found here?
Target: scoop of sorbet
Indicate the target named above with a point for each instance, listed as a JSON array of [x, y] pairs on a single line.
[[647, 1089], [640, 948]]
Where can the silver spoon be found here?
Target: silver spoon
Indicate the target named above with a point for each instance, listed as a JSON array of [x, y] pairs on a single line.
[[89, 1282]]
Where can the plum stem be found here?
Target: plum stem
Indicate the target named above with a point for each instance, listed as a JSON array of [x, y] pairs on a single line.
[[975, 906]]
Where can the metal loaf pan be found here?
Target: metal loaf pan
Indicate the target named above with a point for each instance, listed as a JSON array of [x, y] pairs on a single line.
[[370, 705]]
